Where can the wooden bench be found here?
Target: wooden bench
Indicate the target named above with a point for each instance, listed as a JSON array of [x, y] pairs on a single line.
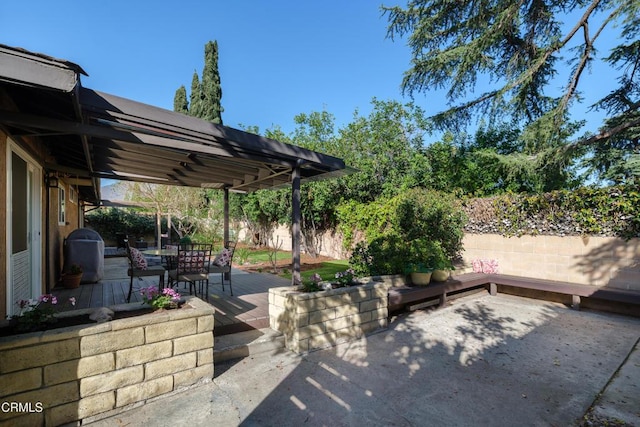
[[401, 296]]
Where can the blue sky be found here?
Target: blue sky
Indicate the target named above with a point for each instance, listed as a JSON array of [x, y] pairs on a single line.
[[276, 58]]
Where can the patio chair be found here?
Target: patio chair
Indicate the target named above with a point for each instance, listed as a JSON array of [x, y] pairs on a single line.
[[192, 266], [222, 263], [139, 268]]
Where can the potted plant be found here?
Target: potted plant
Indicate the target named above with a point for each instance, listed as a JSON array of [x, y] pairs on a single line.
[[441, 263], [71, 279], [419, 260]]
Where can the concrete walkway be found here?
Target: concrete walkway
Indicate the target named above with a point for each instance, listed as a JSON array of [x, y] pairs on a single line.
[[482, 361]]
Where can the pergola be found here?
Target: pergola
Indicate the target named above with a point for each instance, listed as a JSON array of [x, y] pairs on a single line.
[[91, 135]]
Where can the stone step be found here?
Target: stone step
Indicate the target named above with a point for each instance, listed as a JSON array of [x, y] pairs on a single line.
[[247, 343]]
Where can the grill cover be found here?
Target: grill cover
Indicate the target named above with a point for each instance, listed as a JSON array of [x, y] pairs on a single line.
[[85, 247]]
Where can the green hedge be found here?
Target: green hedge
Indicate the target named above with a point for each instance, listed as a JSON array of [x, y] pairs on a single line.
[[612, 211], [109, 221]]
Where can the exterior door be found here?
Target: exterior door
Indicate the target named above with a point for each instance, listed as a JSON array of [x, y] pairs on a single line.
[[23, 228]]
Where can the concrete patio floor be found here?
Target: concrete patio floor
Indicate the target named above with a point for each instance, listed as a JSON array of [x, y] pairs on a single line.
[[481, 361]]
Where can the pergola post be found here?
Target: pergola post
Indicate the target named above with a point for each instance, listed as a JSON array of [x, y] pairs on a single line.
[[295, 226], [159, 228], [225, 233], [225, 236]]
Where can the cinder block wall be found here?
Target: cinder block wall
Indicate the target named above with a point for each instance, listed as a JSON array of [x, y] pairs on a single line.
[[315, 320], [597, 261], [590, 260], [88, 372]]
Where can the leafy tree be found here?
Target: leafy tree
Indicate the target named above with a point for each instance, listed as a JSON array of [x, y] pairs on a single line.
[[194, 211], [497, 160], [262, 210], [318, 200], [385, 148], [447, 165], [518, 48]]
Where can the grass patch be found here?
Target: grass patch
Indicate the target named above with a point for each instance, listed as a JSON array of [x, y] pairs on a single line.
[[327, 270], [258, 256]]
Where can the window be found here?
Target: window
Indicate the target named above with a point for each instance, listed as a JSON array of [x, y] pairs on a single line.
[[73, 195], [62, 219]]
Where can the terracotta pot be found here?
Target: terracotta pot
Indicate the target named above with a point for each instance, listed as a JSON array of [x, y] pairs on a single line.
[[71, 281], [421, 279], [440, 275]]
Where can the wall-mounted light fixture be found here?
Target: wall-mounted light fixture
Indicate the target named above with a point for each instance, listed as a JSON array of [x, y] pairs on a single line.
[[52, 181]]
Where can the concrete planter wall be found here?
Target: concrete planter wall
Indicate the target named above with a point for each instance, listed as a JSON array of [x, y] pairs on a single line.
[[315, 320], [92, 371]]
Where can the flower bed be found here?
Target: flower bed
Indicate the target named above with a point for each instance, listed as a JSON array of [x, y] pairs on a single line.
[[88, 372], [315, 320]]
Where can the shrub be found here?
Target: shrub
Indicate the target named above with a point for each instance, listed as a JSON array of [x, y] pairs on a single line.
[[107, 222], [416, 227], [383, 255]]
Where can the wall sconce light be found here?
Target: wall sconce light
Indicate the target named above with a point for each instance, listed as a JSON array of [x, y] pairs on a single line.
[[52, 182]]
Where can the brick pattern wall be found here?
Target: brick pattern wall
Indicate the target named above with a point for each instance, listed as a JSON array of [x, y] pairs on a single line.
[[315, 320], [597, 261], [80, 372]]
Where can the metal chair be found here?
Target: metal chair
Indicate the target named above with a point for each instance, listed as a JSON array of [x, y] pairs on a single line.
[[139, 269], [192, 266], [224, 267]]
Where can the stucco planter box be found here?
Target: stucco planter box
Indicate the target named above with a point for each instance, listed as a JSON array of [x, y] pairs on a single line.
[[88, 372], [313, 320]]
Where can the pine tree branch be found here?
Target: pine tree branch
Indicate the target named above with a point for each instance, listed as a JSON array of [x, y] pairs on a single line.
[[588, 49], [607, 133]]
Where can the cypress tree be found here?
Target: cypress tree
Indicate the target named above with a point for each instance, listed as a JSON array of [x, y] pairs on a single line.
[[204, 100], [211, 88], [196, 97], [180, 103]]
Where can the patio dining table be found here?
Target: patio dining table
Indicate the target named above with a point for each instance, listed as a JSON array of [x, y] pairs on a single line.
[[168, 255], [161, 252]]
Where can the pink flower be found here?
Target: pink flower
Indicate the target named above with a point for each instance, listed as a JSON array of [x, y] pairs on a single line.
[[72, 300], [159, 299]]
